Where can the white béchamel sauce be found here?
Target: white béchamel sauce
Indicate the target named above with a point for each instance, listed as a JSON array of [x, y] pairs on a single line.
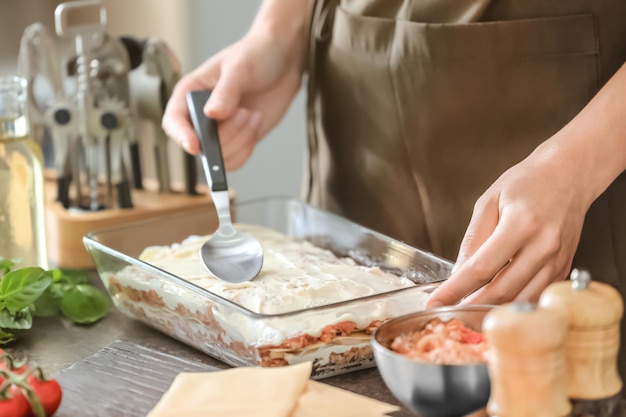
[[296, 275]]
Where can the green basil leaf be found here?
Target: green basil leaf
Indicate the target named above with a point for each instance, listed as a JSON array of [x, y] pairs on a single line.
[[84, 304], [57, 275], [20, 288], [6, 337], [6, 265], [73, 276], [16, 320], [49, 303]]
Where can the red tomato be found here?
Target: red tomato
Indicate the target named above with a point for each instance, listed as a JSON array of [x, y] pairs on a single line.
[[48, 391], [16, 406]]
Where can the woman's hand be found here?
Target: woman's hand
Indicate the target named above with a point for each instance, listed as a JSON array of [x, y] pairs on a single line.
[[523, 233], [252, 82], [526, 227]]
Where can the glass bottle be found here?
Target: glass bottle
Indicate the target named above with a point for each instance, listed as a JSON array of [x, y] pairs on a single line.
[[22, 215], [594, 311]]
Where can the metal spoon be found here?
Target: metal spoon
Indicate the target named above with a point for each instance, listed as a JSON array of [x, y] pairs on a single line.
[[228, 254]]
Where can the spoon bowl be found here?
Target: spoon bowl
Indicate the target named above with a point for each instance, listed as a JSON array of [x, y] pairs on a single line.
[[228, 254]]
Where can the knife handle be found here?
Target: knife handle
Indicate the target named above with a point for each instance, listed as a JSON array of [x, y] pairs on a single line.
[[206, 129], [63, 191], [135, 157], [124, 197]]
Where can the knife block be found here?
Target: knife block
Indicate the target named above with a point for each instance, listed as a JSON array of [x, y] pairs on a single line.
[[66, 227]]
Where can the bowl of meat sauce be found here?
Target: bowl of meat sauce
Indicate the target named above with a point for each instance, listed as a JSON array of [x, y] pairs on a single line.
[[434, 361]]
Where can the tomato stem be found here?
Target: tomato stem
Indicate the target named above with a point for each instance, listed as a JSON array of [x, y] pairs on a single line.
[[35, 402], [19, 380]]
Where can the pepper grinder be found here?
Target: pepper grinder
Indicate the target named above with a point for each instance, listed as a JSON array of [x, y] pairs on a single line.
[[526, 362], [593, 311]]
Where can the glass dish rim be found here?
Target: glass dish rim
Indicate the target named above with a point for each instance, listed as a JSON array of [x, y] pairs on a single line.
[[90, 241]]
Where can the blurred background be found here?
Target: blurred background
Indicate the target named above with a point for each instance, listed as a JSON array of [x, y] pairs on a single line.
[[194, 30]]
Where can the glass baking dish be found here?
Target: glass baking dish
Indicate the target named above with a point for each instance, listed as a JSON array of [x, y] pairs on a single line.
[[241, 337]]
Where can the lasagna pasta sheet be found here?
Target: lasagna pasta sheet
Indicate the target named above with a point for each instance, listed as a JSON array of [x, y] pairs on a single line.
[[269, 392]]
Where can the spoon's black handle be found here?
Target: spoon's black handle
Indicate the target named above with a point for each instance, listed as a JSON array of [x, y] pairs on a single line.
[[206, 129]]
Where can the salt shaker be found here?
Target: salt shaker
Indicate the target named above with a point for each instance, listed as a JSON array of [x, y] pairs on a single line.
[[22, 212]]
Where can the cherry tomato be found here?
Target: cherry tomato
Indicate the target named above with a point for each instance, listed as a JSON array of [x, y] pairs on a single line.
[[16, 406], [48, 391]]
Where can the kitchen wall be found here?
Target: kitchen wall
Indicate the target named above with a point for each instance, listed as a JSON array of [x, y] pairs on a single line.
[[194, 29], [15, 16]]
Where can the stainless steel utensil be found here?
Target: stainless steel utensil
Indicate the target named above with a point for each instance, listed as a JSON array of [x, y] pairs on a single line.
[[428, 389], [228, 254]]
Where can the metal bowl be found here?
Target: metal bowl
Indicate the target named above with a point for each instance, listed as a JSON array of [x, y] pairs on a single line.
[[432, 390]]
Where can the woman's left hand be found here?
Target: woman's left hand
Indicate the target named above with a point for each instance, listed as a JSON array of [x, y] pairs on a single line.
[[523, 232], [526, 227]]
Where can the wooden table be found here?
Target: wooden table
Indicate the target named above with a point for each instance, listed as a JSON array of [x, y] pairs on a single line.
[[119, 367]]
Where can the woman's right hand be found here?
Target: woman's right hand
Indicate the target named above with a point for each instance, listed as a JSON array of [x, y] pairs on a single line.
[[253, 83]]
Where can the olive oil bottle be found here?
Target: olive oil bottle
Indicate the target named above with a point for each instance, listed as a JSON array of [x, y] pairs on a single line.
[[22, 215]]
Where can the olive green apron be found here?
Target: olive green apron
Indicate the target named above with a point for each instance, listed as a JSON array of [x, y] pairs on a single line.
[[416, 107]]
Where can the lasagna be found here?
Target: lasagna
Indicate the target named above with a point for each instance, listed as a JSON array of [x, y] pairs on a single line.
[[300, 307]]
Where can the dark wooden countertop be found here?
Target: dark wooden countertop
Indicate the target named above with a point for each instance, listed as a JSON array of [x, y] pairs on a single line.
[[119, 367]]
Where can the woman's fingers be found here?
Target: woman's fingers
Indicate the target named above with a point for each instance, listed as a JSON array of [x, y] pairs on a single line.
[[522, 256], [176, 121], [238, 127], [542, 261], [529, 265], [483, 265], [238, 136], [540, 281], [482, 224], [226, 95]]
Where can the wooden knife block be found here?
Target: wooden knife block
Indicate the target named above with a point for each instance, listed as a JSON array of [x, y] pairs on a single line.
[[66, 228]]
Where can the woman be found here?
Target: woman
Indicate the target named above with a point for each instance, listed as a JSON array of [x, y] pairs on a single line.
[[426, 116]]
